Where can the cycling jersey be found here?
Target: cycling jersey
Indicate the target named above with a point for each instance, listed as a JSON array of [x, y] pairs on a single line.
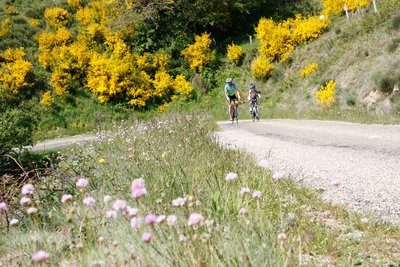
[[230, 90]]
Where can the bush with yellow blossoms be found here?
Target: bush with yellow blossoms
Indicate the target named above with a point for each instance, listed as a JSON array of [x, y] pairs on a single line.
[[336, 7], [12, 11], [326, 95], [99, 58], [14, 71], [199, 54], [261, 68], [308, 70], [46, 99], [5, 27], [235, 53], [57, 17]]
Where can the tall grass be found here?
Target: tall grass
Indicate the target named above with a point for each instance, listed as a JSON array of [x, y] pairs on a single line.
[[178, 157]]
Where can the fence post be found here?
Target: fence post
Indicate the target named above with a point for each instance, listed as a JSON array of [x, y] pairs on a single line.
[[251, 39], [375, 8], [346, 9]]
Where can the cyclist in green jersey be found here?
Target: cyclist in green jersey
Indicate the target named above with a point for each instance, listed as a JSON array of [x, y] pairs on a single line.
[[232, 96]]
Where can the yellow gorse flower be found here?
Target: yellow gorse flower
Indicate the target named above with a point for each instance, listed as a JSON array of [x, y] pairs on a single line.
[[235, 53], [5, 27], [46, 99], [306, 71], [332, 7], [261, 68], [326, 95], [200, 53], [102, 160]]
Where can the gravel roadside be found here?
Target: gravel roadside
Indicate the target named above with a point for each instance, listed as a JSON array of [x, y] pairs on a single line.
[[354, 164]]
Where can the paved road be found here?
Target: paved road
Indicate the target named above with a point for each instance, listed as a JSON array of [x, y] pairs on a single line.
[[364, 159], [62, 142]]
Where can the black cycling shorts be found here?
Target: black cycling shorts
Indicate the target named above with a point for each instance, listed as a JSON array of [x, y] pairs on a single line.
[[232, 98]]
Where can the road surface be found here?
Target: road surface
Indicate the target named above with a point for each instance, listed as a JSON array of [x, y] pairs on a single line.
[[354, 164]]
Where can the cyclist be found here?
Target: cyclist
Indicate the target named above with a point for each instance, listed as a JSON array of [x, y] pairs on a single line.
[[254, 95], [232, 95]]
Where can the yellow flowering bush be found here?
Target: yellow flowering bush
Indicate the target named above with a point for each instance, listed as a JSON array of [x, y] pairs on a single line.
[[34, 22], [99, 57], [332, 7], [11, 11], [278, 40], [14, 71], [200, 53], [163, 107], [182, 86], [46, 99], [75, 4], [235, 53], [307, 70], [5, 27], [261, 68], [57, 17], [305, 30], [326, 95]]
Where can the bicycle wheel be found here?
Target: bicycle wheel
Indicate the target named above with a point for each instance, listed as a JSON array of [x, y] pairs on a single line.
[[235, 114]]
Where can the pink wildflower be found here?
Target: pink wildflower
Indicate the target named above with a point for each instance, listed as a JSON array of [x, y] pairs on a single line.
[[146, 237], [195, 218], [364, 220], [243, 212], [119, 204], [138, 188], [40, 256], [89, 201], [161, 218], [150, 219], [178, 202], [65, 198], [171, 220], [257, 194], [14, 222], [111, 214], [82, 183], [264, 164], [231, 176], [107, 199], [245, 190], [28, 189], [278, 175], [31, 210], [135, 223], [24, 201], [3, 206], [282, 236], [131, 211]]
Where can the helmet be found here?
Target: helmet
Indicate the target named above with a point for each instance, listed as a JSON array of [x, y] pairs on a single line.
[[229, 80], [252, 86]]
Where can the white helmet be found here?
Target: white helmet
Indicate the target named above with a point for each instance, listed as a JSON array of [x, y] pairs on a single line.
[[229, 80]]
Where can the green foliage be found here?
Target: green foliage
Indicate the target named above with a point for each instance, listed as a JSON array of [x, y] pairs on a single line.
[[393, 45], [395, 22], [16, 128]]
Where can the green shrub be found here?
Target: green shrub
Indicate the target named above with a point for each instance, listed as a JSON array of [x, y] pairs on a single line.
[[386, 82], [395, 22], [393, 45], [16, 128]]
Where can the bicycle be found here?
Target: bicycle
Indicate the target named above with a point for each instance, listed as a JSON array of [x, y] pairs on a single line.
[[254, 110], [235, 111]]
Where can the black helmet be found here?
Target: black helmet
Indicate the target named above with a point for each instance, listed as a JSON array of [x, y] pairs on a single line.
[[252, 86]]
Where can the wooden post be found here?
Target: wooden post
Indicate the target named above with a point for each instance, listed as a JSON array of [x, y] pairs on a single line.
[[251, 39], [346, 9], [375, 9]]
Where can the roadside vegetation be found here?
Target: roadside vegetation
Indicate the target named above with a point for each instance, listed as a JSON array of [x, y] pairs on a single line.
[[165, 193]]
